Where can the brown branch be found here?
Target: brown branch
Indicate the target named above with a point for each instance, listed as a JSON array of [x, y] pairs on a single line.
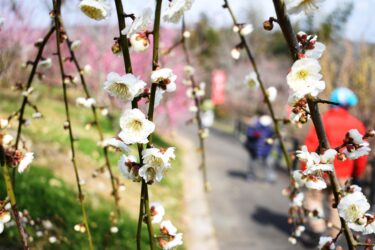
[[265, 95], [29, 82], [292, 42], [199, 110], [59, 27], [12, 199], [98, 126]]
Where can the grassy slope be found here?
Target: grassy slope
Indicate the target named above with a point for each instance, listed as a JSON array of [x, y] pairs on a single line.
[[49, 141]]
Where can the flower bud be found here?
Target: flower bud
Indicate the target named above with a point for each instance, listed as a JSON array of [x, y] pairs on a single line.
[[186, 34], [116, 48], [235, 53], [268, 25], [139, 42]]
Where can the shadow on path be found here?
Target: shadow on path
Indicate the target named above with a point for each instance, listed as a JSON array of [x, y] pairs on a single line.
[[237, 174], [264, 216]]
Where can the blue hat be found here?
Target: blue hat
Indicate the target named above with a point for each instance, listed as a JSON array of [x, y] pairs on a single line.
[[344, 96]]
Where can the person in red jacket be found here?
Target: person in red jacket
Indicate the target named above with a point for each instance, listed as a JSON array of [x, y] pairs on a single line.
[[337, 122]]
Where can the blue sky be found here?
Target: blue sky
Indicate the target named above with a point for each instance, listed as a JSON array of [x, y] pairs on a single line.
[[359, 27]]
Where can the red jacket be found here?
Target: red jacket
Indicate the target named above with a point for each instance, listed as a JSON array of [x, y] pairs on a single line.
[[337, 122]]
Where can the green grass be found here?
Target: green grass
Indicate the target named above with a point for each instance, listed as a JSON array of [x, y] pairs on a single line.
[[50, 198], [59, 203]]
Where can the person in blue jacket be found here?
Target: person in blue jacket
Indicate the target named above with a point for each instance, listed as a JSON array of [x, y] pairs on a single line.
[[258, 145]]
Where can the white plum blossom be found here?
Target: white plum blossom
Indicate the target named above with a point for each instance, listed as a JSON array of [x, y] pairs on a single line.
[[292, 240], [115, 143], [4, 218], [352, 207], [193, 109], [316, 162], [325, 243], [139, 42], [86, 102], [95, 9], [299, 230], [135, 128], [271, 93], [25, 162], [197, 91], [305, 78], [307, 6], [186, 34], [358, 147], [75, 44], [251, 80], [176, 10], [155, 162], [314, 182], [316, 52], [361, 151], [7, 140], [207, 118], [165, 78], [235, 53], [127, 167], [157, 212], [310, 181], [188, 71], [298, 199], [312, 48], [125, 87], [166, 227], [87, 69], [46, 63], [3, 123], [173, 242], [246, 29], [139, 24]]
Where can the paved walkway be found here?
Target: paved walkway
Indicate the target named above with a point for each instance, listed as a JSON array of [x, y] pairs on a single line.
[[244, 215]]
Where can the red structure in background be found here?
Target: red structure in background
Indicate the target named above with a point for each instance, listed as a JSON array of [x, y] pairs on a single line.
[[218, 86]]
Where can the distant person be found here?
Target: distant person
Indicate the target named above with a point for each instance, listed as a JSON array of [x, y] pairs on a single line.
[[337, 122], [259, 148]]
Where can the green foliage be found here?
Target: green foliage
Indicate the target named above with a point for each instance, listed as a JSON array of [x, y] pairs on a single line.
[[50, 198]]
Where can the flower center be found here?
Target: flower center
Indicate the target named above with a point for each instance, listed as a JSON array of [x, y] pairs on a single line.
[[353, 212], [136, 125], [120, 88], [302, 74], [93, 11]]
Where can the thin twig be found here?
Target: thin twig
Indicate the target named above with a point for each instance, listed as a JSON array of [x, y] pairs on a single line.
[[265, 95], [292, 42], [197, 104], [12, 199], [128, 69], [21, 111], [58, 24], [98, 126]]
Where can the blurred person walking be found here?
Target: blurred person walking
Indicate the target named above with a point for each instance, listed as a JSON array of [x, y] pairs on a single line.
[[337, 122], [258, 147]]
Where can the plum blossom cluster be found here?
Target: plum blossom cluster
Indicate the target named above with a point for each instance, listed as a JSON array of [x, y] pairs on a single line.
[[169, 238], [355, 145], [316, 165], [135, 126], [137, 32], [304, 78], [244, 30], [15, 158], [202, 108]]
